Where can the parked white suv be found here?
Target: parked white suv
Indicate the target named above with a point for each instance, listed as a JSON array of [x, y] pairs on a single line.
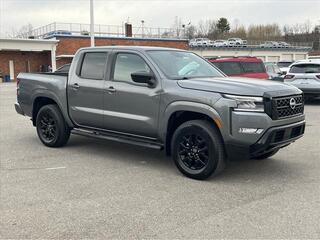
[[305, 75], [199, 42], [220, 43], [270, 44], [233, 42]]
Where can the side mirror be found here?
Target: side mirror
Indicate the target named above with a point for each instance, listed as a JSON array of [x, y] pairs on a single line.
[[143, 77]]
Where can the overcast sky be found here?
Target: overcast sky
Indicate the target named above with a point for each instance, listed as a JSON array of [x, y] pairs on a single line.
[[15, 13]]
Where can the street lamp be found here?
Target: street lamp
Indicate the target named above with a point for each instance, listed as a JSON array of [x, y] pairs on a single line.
[[142, 28], [91, 23]]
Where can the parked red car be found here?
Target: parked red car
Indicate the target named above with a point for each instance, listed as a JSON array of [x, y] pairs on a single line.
[[250, 67]]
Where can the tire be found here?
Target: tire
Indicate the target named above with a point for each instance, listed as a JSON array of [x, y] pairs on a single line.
[[266, 155], [198, 149], [51, 126]]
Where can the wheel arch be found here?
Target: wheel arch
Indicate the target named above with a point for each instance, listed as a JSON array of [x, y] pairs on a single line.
[[180, 112], [41, 99]]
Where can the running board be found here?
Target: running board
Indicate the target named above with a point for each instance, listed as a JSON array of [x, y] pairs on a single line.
[[118, 138]]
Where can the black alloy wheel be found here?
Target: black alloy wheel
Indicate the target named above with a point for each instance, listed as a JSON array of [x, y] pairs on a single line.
[[194, 152], [52, 129], [198, 149]]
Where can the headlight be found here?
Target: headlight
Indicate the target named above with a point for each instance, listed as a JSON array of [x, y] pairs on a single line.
[[247, 104]]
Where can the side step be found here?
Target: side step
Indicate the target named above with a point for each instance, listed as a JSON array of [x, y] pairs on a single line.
[[118, 138]]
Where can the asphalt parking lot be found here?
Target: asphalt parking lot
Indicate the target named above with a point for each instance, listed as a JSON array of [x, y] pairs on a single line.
[[99, 189]]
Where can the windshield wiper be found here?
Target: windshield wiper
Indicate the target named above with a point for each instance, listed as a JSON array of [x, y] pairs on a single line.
[[181, 78]]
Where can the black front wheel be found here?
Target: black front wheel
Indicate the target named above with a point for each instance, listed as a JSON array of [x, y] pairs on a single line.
[[51, 126], [198, 150]]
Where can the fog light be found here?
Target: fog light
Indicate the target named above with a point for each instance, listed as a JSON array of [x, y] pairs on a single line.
[[251, 130]]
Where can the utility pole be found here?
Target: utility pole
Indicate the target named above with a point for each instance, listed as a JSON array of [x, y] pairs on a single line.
[[142, 28], [91, 23]]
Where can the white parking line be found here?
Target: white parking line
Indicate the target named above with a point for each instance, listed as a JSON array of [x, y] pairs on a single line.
[[54, 168]]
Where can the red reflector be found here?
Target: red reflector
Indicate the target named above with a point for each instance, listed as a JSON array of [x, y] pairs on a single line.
[[288, 76]]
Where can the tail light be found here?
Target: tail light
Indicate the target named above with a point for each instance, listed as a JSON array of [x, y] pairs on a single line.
[[288, 77]]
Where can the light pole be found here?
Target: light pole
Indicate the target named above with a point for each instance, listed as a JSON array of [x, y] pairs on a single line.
[[142, 28], [91, 23]]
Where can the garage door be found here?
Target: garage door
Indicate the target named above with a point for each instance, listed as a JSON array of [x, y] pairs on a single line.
[[287, 57], [301, 56], [263, 58], [273, 59]]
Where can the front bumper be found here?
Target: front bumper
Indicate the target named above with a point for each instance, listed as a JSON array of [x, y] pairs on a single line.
[[18, 108], [273, 138], [277, 137]]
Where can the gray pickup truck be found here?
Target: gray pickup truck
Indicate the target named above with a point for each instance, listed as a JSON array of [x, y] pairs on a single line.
[[164, 99]]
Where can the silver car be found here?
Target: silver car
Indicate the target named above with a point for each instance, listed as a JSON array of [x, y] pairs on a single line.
[[270, 44], [220, 43], [305, 75]]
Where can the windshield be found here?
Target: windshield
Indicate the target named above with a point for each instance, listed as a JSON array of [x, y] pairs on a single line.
[[284, 64], [183, 65]]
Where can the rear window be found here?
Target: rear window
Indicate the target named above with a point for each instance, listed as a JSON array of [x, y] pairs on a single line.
[[305, 68], [284, 64], [229, 68], [253, 67], [93, 65]]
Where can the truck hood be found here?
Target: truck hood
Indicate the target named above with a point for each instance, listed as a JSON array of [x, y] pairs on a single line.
[[239, 86]]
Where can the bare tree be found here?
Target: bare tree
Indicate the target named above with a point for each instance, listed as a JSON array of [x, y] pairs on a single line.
[[24, 31]]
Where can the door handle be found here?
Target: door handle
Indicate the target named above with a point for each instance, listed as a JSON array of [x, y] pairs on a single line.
[[75, 86], [111, 90]]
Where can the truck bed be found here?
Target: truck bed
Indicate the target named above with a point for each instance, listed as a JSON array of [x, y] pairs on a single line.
[[32, 85]]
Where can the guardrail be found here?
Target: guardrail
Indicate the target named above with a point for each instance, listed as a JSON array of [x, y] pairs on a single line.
[[253, 47], [101, 30]]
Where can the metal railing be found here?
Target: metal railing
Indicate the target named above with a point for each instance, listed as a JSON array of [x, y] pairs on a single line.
[[100, 30]]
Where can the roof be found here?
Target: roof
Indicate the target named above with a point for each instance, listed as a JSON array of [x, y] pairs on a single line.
[[306, 61], [26, 40], [136, 48], [237, 59], [58, 36], [36, 45]]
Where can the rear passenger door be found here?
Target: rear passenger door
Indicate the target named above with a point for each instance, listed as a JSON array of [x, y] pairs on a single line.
[[85, 90]]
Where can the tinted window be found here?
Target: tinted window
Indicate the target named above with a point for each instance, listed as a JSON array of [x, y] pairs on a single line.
[[284, 64], [230, 68], [253, 67], [127, 63], [305, 68], [93, 65], [64, 69], [180, 64]]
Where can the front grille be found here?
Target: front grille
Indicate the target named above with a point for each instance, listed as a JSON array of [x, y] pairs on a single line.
[[286, 134], [284, 107]]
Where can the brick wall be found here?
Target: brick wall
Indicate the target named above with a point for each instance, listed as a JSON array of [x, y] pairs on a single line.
[[69, 45], [20, 60]]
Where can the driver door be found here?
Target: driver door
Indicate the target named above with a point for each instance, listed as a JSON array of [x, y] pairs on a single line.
[[131, 107]]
